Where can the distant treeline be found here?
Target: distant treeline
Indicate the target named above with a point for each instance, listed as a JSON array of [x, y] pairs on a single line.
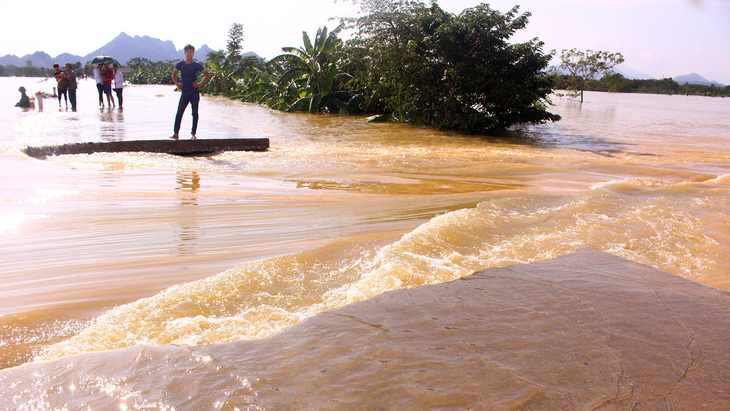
[[143, 71], [617, 83], [25, 71], [147, 72], [33, 71]]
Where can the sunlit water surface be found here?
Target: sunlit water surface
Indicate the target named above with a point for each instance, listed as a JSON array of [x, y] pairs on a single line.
[[104, 251]]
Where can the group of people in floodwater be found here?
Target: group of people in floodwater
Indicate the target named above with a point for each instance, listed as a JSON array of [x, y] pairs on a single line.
[[67, 86], [106, 73]]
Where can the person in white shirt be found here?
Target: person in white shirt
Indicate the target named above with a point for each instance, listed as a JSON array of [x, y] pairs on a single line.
[[118, 84], [99, 83]]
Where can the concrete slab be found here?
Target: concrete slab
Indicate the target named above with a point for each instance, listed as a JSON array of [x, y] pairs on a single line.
[[178, 147]]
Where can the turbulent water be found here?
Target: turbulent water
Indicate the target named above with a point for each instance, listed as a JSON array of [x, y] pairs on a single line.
[[105, 251]]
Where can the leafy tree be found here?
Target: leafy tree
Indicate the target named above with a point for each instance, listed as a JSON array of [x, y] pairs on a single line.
[[234, 46], [227, 65], [589, 65], [455, 72], [378, 52]]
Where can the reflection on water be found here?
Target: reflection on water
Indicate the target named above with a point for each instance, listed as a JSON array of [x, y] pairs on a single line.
[[189, 182], [188, 185], [563, 134], [111, 126]]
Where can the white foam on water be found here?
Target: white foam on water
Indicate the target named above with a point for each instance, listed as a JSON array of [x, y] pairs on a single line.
[[661, 224]]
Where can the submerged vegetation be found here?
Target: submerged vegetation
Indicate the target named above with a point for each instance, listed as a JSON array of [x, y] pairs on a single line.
[[405, 60], [412, 62], [459, 72]]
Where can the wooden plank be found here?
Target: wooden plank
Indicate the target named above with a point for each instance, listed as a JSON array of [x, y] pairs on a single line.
[[178, 147]]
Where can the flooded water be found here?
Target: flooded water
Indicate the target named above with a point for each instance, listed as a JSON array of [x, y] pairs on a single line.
[[106, 251]]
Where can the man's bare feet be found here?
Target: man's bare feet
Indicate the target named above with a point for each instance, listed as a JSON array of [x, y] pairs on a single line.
[[193, 137]]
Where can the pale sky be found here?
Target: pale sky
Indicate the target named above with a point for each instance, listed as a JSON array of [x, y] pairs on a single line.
[[661, 38]]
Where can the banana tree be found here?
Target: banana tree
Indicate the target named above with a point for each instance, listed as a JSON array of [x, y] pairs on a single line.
[[312, 74], [264, 88]]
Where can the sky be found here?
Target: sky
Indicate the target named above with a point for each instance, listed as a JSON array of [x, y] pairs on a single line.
[[659, 38]]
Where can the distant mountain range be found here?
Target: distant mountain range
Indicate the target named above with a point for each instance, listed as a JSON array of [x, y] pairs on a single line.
[[123, 48]]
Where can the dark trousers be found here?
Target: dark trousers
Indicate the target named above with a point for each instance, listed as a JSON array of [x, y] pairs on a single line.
[[119, 96], [62, 93], [100, 88], [72, 98], [189, 97]]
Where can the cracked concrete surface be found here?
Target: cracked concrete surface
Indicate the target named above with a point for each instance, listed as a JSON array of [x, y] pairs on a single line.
[[585, 331]]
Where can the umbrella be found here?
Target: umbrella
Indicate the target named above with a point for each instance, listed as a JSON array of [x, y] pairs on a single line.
[[102, 59]]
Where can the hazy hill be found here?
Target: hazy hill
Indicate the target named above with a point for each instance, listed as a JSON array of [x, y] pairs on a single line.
[[123, 48], [631, 73], [39, 59], [64, 58], [695, 78]]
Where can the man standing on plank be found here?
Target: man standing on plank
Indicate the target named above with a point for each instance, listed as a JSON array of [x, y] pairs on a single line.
[[190, 88]]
